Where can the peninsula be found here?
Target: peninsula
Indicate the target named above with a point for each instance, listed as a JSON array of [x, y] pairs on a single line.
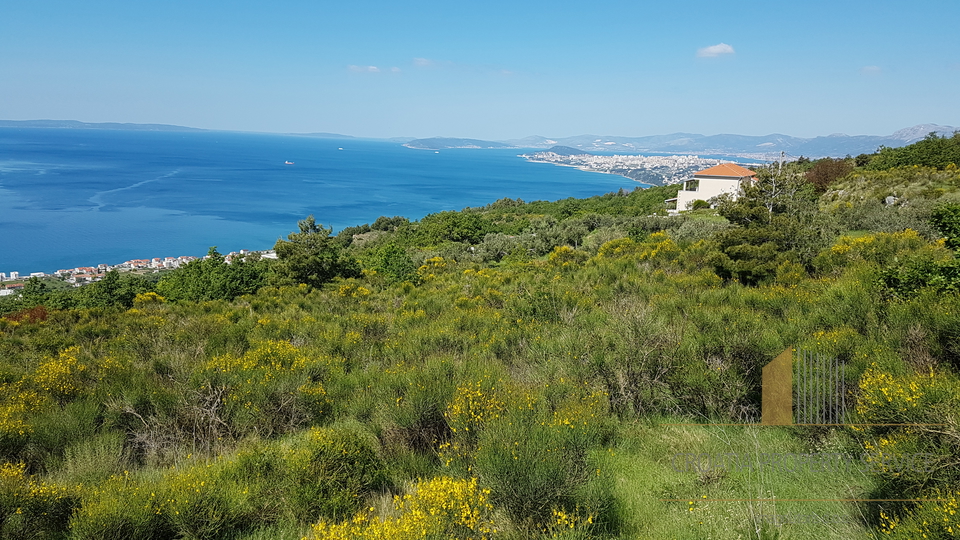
[[654, 170]]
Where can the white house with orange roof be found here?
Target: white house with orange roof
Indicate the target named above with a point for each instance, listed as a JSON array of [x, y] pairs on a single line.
[[708, 183]]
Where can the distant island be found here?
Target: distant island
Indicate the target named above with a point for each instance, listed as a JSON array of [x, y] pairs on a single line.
[[74, 124]]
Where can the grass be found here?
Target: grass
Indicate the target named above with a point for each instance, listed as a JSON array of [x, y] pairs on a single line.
[[646, 476]]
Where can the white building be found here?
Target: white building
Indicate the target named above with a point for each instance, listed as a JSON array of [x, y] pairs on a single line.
[[717, 180], [14, 275]]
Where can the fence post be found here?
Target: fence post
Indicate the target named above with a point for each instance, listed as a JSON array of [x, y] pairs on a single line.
[[777, 396]]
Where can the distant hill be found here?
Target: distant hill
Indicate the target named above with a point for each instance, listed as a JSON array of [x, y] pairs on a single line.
[[74, 124], [324, 135], [440, 143], [756, 147]]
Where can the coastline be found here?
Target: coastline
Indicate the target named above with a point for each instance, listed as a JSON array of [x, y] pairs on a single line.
[[658, 170], [82, 275], [588, 169], [234, 191]]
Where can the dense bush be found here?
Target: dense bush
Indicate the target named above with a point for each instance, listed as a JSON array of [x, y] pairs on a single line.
[[311, 257], [211, 278]]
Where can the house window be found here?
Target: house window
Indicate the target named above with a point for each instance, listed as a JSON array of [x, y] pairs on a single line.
[[692, 185]]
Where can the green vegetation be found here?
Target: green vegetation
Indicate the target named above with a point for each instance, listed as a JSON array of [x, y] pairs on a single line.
[[519, 370], [933, 151]]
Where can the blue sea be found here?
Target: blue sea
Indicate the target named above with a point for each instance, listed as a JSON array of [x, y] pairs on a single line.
[[83, 197]]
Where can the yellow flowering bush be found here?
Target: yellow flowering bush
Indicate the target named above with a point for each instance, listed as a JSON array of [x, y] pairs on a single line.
[[196, 499], [333, 469], [61, 377], [324, 472], [431, 267], [441, 507], [840, 342], [353, 289], [564, 256], [659, 246], [261, 382], [656, 247], [31, 504], [934, 519], [879, 248], [16, 402], [147, 299], [472, 405], [580, 414], [885, 397], [617, 248]]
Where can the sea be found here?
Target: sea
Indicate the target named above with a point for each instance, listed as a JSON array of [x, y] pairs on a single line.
[[82, 197]]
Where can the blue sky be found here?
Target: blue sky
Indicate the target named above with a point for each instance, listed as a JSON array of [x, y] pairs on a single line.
[[491, 69]]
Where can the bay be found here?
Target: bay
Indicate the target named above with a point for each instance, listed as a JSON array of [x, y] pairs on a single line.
[[73, 197]]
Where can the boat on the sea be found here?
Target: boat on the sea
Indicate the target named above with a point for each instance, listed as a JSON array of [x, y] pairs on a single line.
[[288, 163]]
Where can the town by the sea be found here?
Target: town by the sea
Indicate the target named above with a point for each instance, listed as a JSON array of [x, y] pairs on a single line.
[[80, 197]]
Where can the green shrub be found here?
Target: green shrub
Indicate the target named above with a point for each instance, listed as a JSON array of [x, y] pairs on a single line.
[[122, 508], [31, 507], [536, 464], [333, 470], [700, 204]]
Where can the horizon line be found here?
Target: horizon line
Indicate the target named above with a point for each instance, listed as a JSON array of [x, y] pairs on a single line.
[[386, 138]]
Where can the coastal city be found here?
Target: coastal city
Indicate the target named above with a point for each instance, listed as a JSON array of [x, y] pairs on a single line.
[[654, 170], [12, 282]]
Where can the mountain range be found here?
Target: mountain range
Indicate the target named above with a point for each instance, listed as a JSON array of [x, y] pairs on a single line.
[[748, 146]]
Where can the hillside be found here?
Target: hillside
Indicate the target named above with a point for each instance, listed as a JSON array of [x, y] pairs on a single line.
[[582, 368]]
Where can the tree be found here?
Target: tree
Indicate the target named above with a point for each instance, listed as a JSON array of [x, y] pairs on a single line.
[[451, 226], [776, 223], [393, 262], [212, 278], [827, 171], [312, 257], [112, 290], [384, 223], [34, 292]]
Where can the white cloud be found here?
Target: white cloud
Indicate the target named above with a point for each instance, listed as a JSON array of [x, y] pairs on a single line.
[[715, 50], [423, 62], [364, 69], [870, 70], [395, 69]]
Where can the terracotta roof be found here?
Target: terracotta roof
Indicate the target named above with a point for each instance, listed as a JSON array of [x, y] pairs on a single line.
[[726, 169]]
